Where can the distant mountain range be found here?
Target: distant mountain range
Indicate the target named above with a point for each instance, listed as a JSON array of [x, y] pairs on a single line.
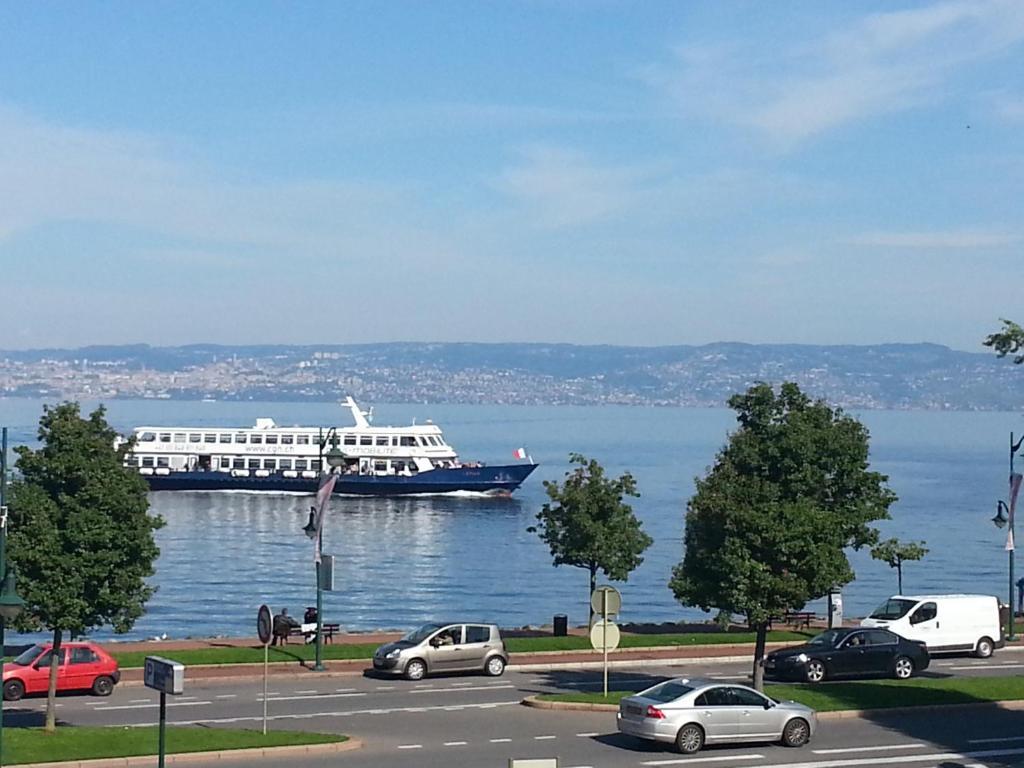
[[897, 376]]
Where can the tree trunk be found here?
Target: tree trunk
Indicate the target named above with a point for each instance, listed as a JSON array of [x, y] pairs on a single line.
[[51, 691], [593, 586], [899, 576], [762, 636]]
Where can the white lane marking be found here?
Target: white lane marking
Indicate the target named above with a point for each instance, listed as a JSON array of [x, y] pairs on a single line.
[[544, 738], [140, 701], [995, 739], [588, 735], [937, 757], [381, 688], [474, 688], [152, 706], [867, 749], [455, 743], [988, 666], [307, 692], [342, 713], [410, 746], [344, 690], [460, 685], [317, 696], [721, 759], [500, 741], [227, 695]]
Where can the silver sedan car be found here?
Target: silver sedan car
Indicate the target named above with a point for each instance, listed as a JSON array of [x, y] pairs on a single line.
[[691, 713]]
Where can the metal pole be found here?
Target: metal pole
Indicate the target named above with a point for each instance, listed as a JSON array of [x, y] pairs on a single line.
[[266, 654], [604, 639], [319, 665], [3, 567], [1009, 629], [163, 725]]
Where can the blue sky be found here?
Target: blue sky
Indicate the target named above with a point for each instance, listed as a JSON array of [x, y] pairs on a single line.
[[587, 172]]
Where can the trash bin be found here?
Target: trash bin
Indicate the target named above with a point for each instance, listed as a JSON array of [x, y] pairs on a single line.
[[1004, 618], [561, 625]]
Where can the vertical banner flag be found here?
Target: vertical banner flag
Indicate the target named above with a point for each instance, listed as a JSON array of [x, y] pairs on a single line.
[[519, 453], [323, 496], [1015, 480]]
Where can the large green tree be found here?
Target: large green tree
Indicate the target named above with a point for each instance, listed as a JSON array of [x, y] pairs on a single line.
[[767, 527], [896, 553], [80, 534], [588, 525]]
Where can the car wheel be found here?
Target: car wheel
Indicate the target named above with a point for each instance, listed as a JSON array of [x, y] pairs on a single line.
[[796, 733], [13, 690], [984, 648], [903, 668], [415, 670], [690, 739], [815, 671], [495, 666], [102, 686]]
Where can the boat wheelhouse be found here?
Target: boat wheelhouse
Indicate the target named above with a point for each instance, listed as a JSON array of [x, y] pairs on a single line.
[[376, 461]]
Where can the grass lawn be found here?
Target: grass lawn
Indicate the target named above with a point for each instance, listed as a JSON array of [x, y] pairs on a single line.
[[865, 694], [298, 652], [33, 745]]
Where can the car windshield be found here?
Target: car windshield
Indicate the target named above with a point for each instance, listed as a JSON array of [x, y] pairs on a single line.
[[29, 655], [422, 633], [668, 691], [829, 638], [893, 609]]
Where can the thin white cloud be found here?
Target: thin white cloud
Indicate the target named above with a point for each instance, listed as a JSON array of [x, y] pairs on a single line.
[[962, 239], [885, 62]]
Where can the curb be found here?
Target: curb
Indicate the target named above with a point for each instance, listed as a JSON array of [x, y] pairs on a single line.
[[669, 661], [843, 714], [138, 761]]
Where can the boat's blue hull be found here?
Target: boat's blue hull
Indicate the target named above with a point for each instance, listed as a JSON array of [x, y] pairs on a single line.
[[504, 479]]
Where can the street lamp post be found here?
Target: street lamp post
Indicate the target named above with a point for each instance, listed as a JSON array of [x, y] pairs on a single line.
[[10, 604], [334, 458], [1004, 517]]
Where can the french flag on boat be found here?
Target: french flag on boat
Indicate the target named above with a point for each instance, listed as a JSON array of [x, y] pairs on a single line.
[[520, 453]]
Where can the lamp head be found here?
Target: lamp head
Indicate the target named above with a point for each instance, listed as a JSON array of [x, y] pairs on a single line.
[[335, 457], [11, 604], [1002, 515], [310, 528]]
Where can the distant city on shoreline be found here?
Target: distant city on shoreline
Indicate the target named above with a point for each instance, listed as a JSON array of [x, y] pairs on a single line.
[[884, 376]]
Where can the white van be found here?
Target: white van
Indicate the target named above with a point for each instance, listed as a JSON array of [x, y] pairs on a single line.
[[943, 622]]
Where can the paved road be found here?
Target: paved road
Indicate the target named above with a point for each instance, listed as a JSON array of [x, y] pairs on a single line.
[[477, 721]]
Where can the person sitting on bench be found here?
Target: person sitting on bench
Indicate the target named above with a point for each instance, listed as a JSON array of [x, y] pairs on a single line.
[[283, 624]]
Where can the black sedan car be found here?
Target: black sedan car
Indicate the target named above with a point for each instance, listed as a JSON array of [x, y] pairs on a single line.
[[848, 653]]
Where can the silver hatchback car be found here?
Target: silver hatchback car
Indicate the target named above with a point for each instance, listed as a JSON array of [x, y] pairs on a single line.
[[691, 713], [444, 648]]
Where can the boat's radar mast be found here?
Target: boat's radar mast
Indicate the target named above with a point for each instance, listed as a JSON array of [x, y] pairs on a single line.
[[359, 416]]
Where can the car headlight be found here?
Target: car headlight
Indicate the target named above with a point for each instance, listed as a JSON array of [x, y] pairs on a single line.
[[802, 658], [393, 653]]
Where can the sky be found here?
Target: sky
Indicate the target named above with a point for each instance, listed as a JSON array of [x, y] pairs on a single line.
[[592, 172]]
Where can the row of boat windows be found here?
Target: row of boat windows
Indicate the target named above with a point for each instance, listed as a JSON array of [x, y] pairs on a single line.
[[299, 465], [256, 438]]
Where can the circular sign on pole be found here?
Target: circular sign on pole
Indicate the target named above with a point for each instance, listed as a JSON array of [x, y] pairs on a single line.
[[604, 635], [264, 624], [614, 600]]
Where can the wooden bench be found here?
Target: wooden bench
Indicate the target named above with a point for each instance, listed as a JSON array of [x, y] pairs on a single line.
[[329, 631], [799, 618]]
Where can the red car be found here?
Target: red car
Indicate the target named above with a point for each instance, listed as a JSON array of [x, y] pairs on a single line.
[[82, 667]]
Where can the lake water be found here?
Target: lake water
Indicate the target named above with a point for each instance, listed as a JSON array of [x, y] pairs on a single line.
[[402, 561]]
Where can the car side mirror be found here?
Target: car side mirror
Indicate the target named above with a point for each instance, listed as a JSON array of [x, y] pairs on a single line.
[[434, 642], [769, 704]]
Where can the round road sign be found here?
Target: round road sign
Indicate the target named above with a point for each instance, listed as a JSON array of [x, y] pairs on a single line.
[[614, 600], [604, 635], [264, 624]]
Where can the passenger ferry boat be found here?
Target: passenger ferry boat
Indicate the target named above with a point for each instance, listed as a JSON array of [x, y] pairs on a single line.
[[375, 461]]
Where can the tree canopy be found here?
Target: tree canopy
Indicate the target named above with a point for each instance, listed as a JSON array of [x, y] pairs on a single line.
[[767, 527], [588, 525], [80, 537], [895, 552], [1008, 341]]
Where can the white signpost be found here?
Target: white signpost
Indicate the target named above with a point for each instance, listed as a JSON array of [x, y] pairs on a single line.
[[165, 676], [604, 634]]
